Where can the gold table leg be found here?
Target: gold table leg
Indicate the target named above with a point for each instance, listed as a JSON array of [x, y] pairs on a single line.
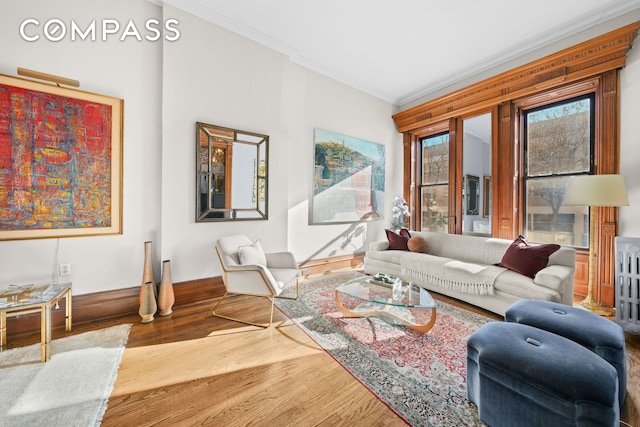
[[45, 332], [68, 312]]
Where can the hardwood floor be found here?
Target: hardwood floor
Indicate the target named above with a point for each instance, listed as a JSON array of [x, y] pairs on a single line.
[[191, 368]]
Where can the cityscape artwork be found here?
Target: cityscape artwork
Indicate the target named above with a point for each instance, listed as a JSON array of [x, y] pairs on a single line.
[[348, 182], [60, 161]]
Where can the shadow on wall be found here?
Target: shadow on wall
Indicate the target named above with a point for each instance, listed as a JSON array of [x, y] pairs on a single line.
[[354, 236]]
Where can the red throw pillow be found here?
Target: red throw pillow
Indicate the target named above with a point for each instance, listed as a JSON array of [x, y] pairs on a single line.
[[525, 259], [398, 241]]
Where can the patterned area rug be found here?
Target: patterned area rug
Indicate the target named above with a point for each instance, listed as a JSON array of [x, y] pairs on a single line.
[[422, 377]]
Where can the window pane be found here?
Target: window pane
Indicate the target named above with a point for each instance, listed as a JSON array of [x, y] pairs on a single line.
[[435, 208], [435, 159], [558, 139], [548, 220]]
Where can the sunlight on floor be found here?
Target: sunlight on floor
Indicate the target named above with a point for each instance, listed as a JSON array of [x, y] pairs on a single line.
[[221, 352]]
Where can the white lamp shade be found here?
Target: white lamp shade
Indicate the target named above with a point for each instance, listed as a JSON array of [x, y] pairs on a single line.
[[596, 190]]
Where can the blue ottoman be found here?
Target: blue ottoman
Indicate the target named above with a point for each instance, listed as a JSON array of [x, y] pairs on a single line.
[[604, 337], [519, 375]]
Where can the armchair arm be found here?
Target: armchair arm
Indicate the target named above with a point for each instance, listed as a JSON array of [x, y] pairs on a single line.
[[380, 245], [281, 260], [555, 277], [251, 279]]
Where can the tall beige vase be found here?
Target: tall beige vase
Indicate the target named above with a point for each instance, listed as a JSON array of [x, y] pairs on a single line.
[[147, 273], [148, 306], [166, 297]]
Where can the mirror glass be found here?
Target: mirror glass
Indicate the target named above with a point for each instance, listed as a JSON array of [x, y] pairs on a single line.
[[231, 174], [476, 175]]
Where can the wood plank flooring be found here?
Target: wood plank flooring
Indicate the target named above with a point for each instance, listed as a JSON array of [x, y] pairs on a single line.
[[191, 368]]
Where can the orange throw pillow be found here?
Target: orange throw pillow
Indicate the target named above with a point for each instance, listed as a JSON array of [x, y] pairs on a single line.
[[417, 244]]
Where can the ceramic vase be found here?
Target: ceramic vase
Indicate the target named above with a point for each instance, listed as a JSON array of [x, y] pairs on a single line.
[[166, 297], [147, 273], [148, 304]]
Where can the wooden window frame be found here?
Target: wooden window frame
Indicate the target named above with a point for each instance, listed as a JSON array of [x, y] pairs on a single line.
[[592, 65]]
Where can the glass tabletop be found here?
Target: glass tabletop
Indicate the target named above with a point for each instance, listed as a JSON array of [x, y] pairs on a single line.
[[24, 296], [407, 294]]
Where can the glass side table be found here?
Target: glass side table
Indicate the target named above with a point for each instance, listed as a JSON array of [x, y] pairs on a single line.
[[35, 299]]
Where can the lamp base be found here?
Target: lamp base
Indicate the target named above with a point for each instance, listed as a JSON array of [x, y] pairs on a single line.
[[593, 306]]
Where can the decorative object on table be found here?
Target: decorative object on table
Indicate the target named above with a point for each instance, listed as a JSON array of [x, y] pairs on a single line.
[[593, 191], [384, 279], [348, 182], [78, 171], [148, 305], [400, 213], [166, 297], [57, 393], [16, 293], [421, 377]]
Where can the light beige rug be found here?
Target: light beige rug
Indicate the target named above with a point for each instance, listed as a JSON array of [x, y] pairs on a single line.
[[71, 389]]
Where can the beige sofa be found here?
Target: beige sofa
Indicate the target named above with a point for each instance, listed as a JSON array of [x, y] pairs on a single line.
[[464, 267]]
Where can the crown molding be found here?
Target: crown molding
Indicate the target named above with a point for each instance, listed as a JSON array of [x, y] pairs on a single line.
[[600, 54]]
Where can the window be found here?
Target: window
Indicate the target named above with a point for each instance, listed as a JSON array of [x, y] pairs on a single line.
[[434, 183], [558, 143]]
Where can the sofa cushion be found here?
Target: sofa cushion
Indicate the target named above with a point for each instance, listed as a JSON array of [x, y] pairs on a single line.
[[526, 259], [399, 240], [520, 286], [417, 244], [393, 257]]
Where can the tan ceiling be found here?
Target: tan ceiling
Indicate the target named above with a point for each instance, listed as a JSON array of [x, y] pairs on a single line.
[[401, 50]]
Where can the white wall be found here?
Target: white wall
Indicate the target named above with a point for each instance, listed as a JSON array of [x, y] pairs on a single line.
[[130, 70], [209, 75], [630, 142], [218, 77]]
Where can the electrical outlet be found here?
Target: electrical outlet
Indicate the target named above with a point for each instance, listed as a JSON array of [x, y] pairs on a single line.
[[65, 269]]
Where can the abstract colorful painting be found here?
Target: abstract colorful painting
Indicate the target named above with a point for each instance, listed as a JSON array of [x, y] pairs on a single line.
[[60, 161], [348, 181]]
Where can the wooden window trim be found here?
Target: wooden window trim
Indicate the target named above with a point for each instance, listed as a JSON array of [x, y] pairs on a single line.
[[589, 66]]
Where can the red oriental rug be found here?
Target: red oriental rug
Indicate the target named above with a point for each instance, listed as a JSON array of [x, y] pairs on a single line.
[[422, 377]]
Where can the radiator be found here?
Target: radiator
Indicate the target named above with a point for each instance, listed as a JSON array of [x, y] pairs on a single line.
[[627, 284]]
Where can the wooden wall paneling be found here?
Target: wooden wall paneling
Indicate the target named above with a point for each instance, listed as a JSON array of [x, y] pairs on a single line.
[[601, 58], [455, 175], [99, 306], [409, 176], [325, 265], [607, 160], [503, 168], [581, 274]]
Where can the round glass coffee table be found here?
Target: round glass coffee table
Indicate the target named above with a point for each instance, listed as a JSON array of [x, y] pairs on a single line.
[[411, 306]]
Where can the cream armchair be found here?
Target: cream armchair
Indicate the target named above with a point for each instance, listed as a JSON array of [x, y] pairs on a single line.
[[247, 270]]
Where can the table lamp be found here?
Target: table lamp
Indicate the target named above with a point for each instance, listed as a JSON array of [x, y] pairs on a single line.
[[594, 191]]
